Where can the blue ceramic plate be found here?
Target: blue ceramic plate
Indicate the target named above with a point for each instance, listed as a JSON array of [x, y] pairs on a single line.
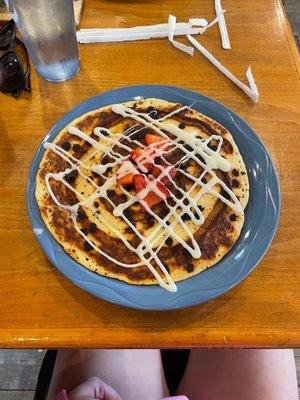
[[261, 215]]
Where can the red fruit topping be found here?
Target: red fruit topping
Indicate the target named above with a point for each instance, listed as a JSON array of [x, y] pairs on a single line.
[[126, 180], [151, 198], [156, 171], [139, 182], [163, 189], [150, 139], [142, 157], [166, 179], [135, 153]]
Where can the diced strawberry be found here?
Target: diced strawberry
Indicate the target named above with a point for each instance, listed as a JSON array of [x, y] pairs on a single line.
[[138, 153], [166, 180], [135, 153], [150, 139], [139, 182], [152, 198], [161, 187], [126, 180], [156, 171]]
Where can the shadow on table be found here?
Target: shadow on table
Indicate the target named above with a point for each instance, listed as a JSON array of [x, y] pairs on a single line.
[[165, 320], [7, 153], [57, 99]]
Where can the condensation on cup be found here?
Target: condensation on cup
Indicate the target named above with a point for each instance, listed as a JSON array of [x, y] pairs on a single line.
[[48, 31]]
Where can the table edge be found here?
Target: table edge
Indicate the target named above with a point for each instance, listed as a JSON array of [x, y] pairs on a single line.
[[63, 338]]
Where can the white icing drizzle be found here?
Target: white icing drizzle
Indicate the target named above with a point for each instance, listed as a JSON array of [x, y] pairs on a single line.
[[150, 245]]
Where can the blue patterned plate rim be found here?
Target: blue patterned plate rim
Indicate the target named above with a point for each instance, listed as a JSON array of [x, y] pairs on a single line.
[[261, 215]]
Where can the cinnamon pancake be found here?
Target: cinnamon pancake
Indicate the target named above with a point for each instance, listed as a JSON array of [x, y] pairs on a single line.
[[145, 192]]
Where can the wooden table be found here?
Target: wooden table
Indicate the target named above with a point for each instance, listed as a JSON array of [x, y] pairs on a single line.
[[39, 307]]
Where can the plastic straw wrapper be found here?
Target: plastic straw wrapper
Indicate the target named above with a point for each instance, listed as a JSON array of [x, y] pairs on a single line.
[[251, 91], [172, 25], [138, 32], [222, 26]]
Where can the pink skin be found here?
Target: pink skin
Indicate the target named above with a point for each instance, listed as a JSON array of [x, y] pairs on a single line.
[[210, 375], [240, 375]]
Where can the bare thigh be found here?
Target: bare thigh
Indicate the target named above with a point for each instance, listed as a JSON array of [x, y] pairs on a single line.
[[240, 375], [134, 374]]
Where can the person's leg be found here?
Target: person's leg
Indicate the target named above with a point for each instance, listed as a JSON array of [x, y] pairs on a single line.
[[240, 375], [134, 374]]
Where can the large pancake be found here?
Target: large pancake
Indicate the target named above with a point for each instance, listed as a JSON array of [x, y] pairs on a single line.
[[215, 236]]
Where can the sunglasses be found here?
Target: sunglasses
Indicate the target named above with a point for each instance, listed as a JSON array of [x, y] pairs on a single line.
[[14, 63]]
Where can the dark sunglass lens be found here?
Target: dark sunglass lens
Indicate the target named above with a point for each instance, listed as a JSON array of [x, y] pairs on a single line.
[[11, 73], [7, 34]]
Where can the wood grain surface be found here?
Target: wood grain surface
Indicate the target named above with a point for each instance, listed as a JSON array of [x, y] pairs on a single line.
[[38, 306]]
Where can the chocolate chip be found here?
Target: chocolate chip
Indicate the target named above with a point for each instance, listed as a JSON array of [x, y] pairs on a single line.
[[76, 147], [171, 202], [93, 227], [200, 158], [111, 193], [235, 172], [188, 148], [107, 159], [96, 204], [128, 215], [243, 173], [225, 194], [103, 132], [169, 241], [204, 180], [233, 217], [81, 215], [201, 208], [186, 202], [84, 231], [87, 246], [197, 216], [151, 224], [168, 222], [235, 183], [154, 113], [186, 217], [123, 198], [189, 267], [163, 212], [66, 145], [109, 169], [71, 176], [140, 135], [186, 253], [212, 146], [181, 125], [185, 165]]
